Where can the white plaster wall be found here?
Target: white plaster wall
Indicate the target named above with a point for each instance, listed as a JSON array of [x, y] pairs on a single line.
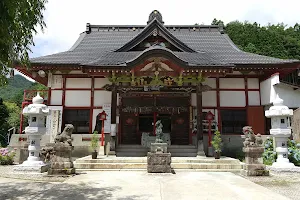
[[232, 98], [102, 97], [232, 83], [95, 113], [253, 98], [56, 82], [267, 90], [209, 99], [210, 82], [78, 83], [253, 83], [100, 82], [290, 97], [78, 98], [56, 97]]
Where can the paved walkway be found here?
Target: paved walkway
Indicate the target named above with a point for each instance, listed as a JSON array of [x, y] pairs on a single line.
[[138, 186]]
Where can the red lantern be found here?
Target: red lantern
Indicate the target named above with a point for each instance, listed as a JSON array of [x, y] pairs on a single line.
[[102, 116]]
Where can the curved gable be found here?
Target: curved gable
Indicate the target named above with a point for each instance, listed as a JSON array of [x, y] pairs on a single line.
[[155, 28]]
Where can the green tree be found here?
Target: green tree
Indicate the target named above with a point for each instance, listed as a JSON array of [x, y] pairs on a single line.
[[18, 21], [14, 114], [4, 114]]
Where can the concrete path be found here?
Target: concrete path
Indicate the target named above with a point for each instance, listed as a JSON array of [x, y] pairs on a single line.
[[121, 185]]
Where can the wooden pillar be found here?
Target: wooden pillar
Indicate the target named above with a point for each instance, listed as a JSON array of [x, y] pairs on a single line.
[[199, 112], [113, 118], [114, 104]]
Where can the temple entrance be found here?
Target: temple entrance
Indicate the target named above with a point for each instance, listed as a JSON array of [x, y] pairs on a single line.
[[140, 113]]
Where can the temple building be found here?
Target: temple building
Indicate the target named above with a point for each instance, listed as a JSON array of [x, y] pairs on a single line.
[[139, 74]]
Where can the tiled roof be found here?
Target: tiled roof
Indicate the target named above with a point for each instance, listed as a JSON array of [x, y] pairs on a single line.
[[98, 46]]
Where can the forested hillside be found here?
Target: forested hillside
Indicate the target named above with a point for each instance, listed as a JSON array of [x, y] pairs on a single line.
[[16, 85], [275, 40]]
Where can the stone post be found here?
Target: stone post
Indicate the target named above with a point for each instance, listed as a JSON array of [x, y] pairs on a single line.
[[281, 130], [37, 113]]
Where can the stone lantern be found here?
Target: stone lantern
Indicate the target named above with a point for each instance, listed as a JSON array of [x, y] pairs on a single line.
[[37, 113], [281, 130]]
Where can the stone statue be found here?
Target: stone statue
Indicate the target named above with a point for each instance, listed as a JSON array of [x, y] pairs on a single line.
[[65, 136], [253, 150], [158, 131], [251, 140], [46, 153]]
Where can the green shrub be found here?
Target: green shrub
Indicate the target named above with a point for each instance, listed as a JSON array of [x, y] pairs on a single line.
[[269, 155], [95, 141], [6, 156], [217, 141], [294, 152]]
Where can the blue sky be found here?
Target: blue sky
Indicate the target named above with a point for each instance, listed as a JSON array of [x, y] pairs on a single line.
[[66, 19]]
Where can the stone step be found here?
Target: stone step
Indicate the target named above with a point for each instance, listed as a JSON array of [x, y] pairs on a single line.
[[183, 154], [182, 147], [196, 160], [109, 166], [130, 154], [182, 150]]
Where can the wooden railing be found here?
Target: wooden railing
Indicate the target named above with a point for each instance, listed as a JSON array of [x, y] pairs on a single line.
[[29, 94]]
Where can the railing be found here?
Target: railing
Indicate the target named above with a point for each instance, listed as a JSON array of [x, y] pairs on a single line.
[[292, 78], [29, 94], [7, 137]]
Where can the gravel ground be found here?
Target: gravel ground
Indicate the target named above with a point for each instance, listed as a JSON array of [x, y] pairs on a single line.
[[284, 183], [6, 171]]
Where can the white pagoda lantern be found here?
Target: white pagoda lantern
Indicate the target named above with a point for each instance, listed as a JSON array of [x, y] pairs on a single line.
[[281, 130], [37, 113]]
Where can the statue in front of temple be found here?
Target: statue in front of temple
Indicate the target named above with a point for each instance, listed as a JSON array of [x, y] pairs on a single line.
[[159, 132]]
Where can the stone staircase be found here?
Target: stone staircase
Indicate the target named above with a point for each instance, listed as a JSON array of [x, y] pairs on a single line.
[[139, 151], [140, 163], [131, 151], [183, 150]]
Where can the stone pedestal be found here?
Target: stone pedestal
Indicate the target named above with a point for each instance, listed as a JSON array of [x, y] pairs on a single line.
[[253, 162], [159, 162], [61, 163]]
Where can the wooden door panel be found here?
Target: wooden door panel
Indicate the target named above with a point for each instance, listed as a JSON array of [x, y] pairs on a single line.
[[180, 129], [256, 119], [129, 129]]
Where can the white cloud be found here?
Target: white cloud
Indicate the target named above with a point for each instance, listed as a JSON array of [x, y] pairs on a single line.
[[66, 19]]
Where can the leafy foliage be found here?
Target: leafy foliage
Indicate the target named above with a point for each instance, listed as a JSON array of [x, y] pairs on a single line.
[[18, 22], [6, 156], [275, 40], [3, 123], [294, 152], [269, 155], [217, 141], [95, 140]]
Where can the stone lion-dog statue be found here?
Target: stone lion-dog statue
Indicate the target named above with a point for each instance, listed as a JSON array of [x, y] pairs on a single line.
[[65, 136]]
